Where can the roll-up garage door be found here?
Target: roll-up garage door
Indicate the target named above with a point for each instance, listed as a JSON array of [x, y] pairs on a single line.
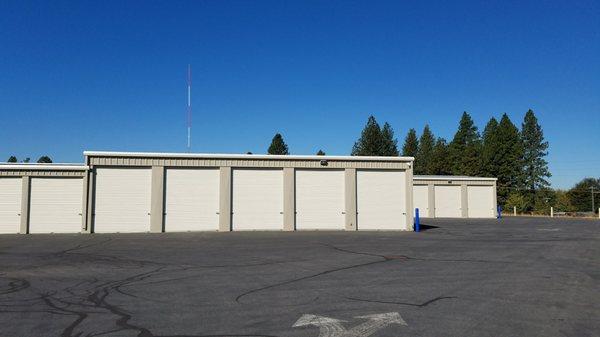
[[481, 201], [122, 200], [10, 205], [192, 200], [421, 199], [381, 199], [257, 199], [447, 202], [55, 205], [320, 199]]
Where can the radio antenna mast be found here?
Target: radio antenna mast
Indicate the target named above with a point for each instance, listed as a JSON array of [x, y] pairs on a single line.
[[189, 109]]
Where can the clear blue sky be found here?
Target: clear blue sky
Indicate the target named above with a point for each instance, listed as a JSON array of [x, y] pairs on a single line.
[[110, 75]]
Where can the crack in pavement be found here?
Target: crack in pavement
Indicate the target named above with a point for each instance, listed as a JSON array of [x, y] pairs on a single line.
[[383, 259], [329, 271], [87, 298], [424, 304]]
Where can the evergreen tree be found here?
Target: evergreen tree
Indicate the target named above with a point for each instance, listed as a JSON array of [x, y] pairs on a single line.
[[509, 158], [389, 144], [439, 163], [516, 199], [26, 160], [44, 159], [320, 153], [278, 146], [580, 195], [369, 143], [535, 167], [12, 159], [465, 148], [489, 157], [425, 152], [411, 144]]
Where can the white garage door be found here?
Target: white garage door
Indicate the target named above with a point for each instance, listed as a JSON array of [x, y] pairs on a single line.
[[421, 199], [257, 199], [447, 202], [122, 200], [55, 205], [10, 205], [481, 201], [192, 200], [320, 199], [381, 200]]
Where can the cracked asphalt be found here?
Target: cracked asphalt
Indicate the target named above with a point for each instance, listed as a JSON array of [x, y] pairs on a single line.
[[508, 277]]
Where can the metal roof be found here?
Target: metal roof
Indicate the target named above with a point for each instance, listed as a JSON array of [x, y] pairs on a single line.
[[425, 177], [242, 156]]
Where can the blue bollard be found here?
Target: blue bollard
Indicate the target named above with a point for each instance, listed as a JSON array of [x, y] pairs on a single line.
[[499, 212], [417, 221]]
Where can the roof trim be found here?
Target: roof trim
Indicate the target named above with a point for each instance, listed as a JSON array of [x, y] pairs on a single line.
[[242, 156], [43, 166], [457, 178]]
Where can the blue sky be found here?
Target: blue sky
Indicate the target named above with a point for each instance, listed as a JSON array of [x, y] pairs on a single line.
[[110, 75]]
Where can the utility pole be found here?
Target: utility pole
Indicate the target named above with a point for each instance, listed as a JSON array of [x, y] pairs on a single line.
[[593, 206]]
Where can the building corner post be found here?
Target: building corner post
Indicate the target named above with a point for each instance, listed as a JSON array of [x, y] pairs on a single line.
[[464, 200], [225, 213], [25, 196], [351, 217], [157, 199], [431, 200], [410, 225], [289, 199]]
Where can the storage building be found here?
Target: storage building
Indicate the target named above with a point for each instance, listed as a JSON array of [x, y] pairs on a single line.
[[455, 196], [42, 198], [156, 192]]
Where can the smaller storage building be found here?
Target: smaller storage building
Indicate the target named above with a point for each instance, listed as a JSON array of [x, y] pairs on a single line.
[[455, 196], [42, 198]]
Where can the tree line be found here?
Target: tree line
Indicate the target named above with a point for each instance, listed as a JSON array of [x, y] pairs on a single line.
[[42, 159], [515, 156]]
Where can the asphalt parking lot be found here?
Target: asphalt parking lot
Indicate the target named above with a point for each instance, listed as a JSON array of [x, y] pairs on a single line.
[[509, 277]]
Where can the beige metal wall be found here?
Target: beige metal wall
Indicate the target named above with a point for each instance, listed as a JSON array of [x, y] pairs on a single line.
[[158, 164], [452, 181], [289, 165], [28, 171]]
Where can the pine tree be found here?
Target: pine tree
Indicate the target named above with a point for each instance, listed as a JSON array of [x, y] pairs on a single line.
[[320, 153], [411, 144], [535, 167], [489, 165], [12, 159], [369, 143], [465, 148], [509, 161], [425, 152], [580, 195], [439, 163], [44, 159], [278, 146], [389, 144]]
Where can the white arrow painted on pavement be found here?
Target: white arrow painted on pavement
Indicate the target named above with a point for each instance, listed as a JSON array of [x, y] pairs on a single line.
[[375, 323], [331, 327], [328, 327]]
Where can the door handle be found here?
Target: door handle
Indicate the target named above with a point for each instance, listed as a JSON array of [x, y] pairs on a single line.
[[343, 212], [217, 213]]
